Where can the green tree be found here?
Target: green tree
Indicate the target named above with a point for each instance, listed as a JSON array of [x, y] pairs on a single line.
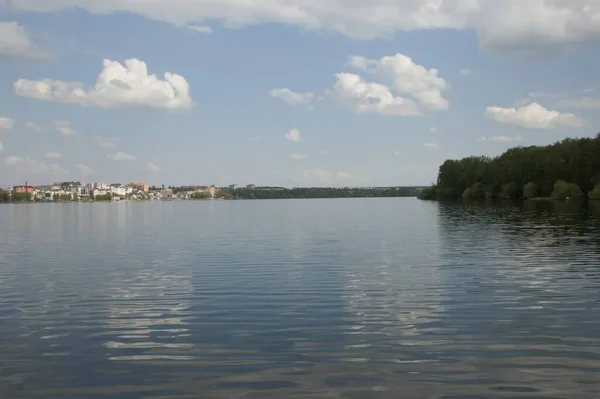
[[428, 193], [510, 191], [566, 191], [530, 190], [595, 193]]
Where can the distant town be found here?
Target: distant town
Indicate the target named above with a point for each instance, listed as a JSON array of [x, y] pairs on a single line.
[[98, 191]]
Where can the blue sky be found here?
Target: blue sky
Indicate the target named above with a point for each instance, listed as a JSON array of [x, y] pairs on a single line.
[[376, 92]]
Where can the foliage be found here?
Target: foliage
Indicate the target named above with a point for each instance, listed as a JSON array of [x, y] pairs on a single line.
[[573, 160], [510, 191], [428, 193], [595, 193], [316, 192], [20, 197], [103, 197], [200, 195], [530, 190], [565, 191], [478, 191], [4, 196]]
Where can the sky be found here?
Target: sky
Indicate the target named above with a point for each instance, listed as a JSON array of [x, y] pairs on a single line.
[[287, 92]]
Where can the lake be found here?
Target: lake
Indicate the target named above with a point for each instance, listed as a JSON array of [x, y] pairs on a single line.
[[332, 298]]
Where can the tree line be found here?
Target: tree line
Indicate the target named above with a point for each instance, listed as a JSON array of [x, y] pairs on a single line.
[[311, 192], [567, 169]]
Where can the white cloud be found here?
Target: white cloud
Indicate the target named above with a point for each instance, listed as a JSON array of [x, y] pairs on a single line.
[[105, 142], [432, 129], [534, 116], [324, 152], [1, 146], [354, 93], [153, 167], [6, 123], [28, 165], [84, 170], [121, 156], [16, 44], [588, 90], [118, 85], [484, 139], [321, 176], [297, 157], [466, 72], [431, 145], [505, 138], [291, 97], [293, 135], [201, 28], [54, 155], [64, 128], [400, 77], [343, 175], [587, 102], [506, 24], [34, 127]]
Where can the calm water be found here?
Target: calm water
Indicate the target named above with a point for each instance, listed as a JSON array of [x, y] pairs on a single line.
[[369, 298]]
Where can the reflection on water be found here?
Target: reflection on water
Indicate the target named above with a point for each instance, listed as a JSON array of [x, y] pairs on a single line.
[[377, 298]]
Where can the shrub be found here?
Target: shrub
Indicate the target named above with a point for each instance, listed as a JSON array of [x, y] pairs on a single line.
[[530, 190], [566, 191], [428, 193], [595, 193]]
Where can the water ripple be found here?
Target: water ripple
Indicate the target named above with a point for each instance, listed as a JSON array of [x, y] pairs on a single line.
[[378, 298]]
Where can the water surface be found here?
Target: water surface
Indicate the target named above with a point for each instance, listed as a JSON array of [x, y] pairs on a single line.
[[335, 298]]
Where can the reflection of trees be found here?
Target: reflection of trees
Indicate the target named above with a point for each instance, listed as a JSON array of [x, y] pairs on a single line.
[[525, 284]]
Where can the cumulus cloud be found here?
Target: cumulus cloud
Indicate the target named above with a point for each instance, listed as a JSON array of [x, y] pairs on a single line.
[[293, 135], [128, 85], [6, 124], [291, 97], [363, 97], [321, 176], [54, 155], [28, 165], [506, 24], [201, 28], [84, 170], [431, 145], [153, 167], [466, 72], [105, 142], [15, 43], [121, 156], [64, 128], [399, 77], [297, 157], [534, 116]]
